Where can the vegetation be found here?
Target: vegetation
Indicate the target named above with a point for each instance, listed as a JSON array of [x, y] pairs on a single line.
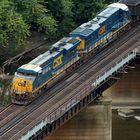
[[12, 26], [54, 18]]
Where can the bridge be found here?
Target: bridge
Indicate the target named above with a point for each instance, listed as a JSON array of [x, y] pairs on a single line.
[[71, 92]]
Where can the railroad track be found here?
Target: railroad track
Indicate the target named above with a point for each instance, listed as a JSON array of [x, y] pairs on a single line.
[[4, 108], [37, 106], [45, 109], [7, 110], [9, 113], [32, 108], [50, 97]]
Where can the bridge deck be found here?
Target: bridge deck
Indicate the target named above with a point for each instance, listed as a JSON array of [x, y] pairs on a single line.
[[78, 88]]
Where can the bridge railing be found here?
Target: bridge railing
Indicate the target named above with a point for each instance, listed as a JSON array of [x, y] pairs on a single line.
[[71, 100]]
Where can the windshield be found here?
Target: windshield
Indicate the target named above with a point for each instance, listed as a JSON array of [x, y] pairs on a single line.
[[25, 74]]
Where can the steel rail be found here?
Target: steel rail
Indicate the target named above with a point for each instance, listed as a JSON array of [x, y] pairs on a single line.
[[69, 96]]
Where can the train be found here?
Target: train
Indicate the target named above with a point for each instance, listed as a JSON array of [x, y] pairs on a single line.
[[31, 79]]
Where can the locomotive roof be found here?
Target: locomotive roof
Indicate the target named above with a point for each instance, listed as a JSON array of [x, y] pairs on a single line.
[[43, 58], [119, 5], [131, 2], [64, 44], [88, 28], [30, 68], [108, 12]]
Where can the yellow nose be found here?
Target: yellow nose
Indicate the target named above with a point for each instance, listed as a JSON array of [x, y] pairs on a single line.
[[20, 86]]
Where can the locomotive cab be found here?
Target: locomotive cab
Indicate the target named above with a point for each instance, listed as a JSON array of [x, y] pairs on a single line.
[[22, 85]]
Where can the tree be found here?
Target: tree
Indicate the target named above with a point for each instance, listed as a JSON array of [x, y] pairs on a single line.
[[86, 9], [36, 15], [55, 18], [13, 29], [110, 1], [61, 10]]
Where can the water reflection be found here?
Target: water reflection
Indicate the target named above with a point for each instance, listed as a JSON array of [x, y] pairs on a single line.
[[127, 89], [125, 129]]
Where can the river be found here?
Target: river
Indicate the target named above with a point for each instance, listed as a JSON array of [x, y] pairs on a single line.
[[86, 125]]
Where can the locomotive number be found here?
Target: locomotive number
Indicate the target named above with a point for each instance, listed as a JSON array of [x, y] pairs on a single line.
[[102, 30], [57, 61]]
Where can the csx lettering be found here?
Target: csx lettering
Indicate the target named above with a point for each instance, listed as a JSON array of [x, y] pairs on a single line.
[[102, 30], [57, 61]]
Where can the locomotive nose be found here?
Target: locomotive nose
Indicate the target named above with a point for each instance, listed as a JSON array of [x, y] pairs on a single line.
[[21, 86], [20, 91]]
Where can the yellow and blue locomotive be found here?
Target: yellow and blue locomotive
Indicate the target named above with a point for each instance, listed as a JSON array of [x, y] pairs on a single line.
[[30, 79], [100, 31]]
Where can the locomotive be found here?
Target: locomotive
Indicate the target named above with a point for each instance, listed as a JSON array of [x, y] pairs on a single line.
[[32, 78]]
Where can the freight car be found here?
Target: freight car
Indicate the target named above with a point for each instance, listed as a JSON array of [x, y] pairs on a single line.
[[31, 79], [134, 7]]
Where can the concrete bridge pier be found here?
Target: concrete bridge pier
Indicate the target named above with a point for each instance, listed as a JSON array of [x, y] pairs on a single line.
[[103, 112]]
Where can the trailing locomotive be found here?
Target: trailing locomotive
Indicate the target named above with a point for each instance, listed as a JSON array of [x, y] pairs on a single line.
[[32, 78]]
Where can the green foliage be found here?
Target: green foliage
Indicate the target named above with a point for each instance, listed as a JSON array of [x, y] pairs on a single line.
[[55, 18], [67, 7], [29, 9], [86, 9], [61, 10], [19, 16], [13, 29], [46, 24], [36, 15], [110, 1]]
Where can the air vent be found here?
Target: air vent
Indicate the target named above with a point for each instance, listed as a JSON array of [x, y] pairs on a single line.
[[79, 29], [72, 41], [62, 44], [88, 26], [94, 21]]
